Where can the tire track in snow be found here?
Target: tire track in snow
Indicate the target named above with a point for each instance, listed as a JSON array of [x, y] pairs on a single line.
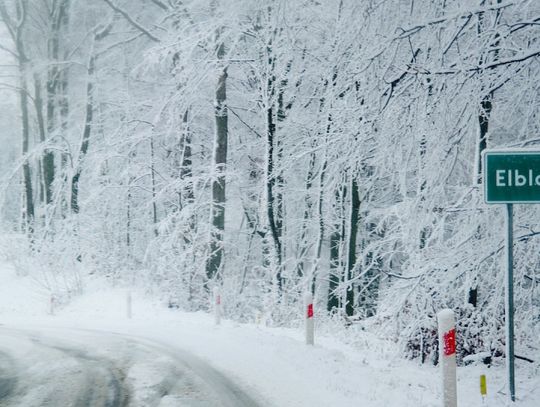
[[102, 373], [8, 381], [52, 374], [86, 368]]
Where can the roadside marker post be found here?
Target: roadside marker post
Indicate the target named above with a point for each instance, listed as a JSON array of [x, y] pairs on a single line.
[[483, 387], [310, 324], [217, 305], [52, 304], [447, 356], [509, 177], [128, 305]]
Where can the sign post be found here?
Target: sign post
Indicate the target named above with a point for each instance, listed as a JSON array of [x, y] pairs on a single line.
[[511, 176], [509, 303]]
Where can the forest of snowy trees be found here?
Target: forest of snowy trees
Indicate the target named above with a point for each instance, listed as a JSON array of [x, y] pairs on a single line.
[[275, 147]]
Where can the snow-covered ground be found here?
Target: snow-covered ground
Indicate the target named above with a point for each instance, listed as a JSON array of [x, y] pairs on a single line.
[[273, 365]]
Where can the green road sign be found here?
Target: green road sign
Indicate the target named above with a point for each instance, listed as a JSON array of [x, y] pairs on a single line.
[[512, 176]]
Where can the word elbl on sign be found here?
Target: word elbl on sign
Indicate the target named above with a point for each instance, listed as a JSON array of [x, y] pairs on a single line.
[[509, 178], [512, 176]]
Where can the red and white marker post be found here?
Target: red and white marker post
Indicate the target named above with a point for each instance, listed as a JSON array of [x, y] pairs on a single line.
[[310, 325], [217, 305], [447, 356]]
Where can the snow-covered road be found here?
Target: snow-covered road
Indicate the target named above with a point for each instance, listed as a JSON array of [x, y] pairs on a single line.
[[68, 367]]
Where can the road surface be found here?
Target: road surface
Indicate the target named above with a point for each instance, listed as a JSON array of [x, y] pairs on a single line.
[[79, 368]]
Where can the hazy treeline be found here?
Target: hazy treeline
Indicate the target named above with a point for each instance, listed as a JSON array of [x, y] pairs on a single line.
[[275, 147]]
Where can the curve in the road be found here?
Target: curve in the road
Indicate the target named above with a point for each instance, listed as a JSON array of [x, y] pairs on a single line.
[[84, 368]]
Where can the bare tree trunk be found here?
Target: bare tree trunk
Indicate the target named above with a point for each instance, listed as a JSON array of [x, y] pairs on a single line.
[[273, 221], [27, 174], [273, 204], [486, 106], [352, 260], [85, 143], [214, 264], [337, 237], [186, 163], [321, 226], [59, 20], [38, 107], [334, 274], [16, 27], [153, 180], [89, 120], [303, 244]]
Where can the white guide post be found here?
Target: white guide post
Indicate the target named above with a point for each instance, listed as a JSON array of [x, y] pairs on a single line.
[[128, 304], [52, 304], [447, 356], [217, 305], [310, 326]]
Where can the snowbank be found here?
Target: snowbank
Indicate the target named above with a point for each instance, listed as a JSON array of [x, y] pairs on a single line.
[[273, 364]]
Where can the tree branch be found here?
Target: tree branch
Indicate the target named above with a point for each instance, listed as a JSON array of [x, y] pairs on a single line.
[[406, 32], [501, 62], [132, 21], [160, 4]]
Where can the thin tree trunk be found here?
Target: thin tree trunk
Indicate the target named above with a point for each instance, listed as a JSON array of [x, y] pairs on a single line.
[[321, 227], [351, 263], [334, 274], [38, 107], [85, 144], [59, 19], [337, 238], [214, 264], [273, 222], [486, 106], [274, 209], [153, 180], [27, 174], [304, 246], [186, 162], [16, 28]]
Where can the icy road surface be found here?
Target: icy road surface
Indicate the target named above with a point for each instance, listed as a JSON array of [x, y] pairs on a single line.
[[65, 367]]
